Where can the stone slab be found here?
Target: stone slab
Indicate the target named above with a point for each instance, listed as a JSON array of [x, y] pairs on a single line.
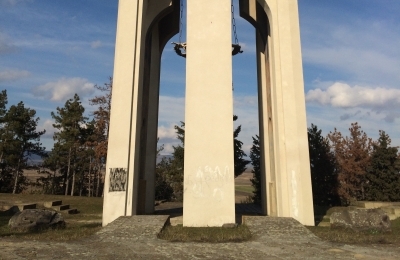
[[60, 207], [49, 204], [27, 206], [135, 238]]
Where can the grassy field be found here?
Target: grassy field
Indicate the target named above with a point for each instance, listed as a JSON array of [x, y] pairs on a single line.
[[84, 224], [245, 188]]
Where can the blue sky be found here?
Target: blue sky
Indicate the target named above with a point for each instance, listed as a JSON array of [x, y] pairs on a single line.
[[51, 49]]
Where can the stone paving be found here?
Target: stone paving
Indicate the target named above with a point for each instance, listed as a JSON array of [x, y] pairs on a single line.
[[136, 238]]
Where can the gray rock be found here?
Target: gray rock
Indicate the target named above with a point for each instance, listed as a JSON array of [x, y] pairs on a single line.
[[36, 219], [361, 220]]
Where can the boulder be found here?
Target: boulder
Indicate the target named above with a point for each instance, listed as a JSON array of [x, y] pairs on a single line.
[[36, 219], [361, 220]]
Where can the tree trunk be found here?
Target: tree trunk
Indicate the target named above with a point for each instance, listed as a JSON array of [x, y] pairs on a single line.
[[73, 182], [98, 181], [73, 175], [90, 164], [16, 177], [53, 183], [68, 171]]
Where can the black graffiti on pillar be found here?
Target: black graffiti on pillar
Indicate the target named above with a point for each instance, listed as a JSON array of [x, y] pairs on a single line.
[[118, 178]]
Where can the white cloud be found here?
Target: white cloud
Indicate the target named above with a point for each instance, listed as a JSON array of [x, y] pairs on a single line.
[[64, 89], [384, 102], [48, 126], [166, 132], [12, 2], [13, 74], [363, 51], [95, 44], [6, 44], [345, 96], [171, 110]]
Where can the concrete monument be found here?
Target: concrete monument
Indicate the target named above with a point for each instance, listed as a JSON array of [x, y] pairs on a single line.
[[144, 27]]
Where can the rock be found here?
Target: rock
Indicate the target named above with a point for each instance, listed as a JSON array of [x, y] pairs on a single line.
[[361, 220], [230, 225], [36, 219]]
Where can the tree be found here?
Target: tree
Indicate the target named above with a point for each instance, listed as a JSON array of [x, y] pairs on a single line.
[[4, 177], [52, 167], [383, 173], [70, 122], [101, 130], [163, 190], [240, 162], [255, 161], [322, 165], [352, 158], [172, 170], [21, 140]]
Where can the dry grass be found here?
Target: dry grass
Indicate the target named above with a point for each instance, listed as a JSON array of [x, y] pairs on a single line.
[[205, 234], [363, 238], [81, 225], [244, 188]]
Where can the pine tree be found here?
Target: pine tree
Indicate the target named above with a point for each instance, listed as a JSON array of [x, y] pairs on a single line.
[[172, 170], [4, 175], [52, 182], [383, 174], [255, 161], [322, 165], [70, 121], [239, 161], [21, 141]]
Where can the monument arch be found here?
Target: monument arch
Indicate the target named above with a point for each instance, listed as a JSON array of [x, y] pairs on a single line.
[[144, 27]]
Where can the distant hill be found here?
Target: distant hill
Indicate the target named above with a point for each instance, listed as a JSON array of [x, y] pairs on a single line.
[[34, 159]]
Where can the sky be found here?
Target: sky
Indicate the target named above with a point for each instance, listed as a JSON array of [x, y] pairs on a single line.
[[51, 49]]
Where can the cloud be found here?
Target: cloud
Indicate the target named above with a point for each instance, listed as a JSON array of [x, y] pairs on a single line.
[[8, 3], [362, 50], [346, 96], [171, 110], [48, 126], [166, 132], [384, 102], [6, 44], [64, 89], [95, 44], [13, 74]]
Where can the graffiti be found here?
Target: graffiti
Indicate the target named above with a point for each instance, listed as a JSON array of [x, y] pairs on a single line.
[[209, 182], [118, 178]]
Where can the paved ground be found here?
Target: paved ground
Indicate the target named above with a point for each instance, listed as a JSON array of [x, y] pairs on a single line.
[[136, 238]]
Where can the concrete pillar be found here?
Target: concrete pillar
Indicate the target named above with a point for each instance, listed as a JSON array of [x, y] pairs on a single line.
[[209, 195], [283, 128], [130, 170]]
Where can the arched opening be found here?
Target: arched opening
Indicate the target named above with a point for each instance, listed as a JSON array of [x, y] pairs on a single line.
[[254, 13], [281, 111]]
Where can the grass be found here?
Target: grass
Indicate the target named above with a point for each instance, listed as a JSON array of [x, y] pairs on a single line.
[[205, 234], [244, 188], [87, 222], [83, 224], [362, 238]]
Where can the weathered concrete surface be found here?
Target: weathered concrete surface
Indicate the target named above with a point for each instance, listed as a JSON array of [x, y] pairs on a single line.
[[135, 238], [361, 220]]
